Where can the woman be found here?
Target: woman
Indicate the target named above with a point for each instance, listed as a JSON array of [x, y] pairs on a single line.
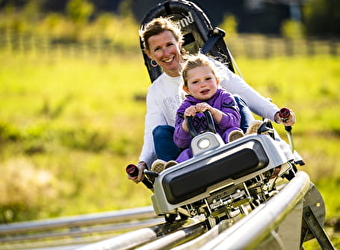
[[163, 44]]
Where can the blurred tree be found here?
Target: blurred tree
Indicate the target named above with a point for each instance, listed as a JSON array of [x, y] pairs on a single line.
[[292, 29], [79, 11], [322, 17], [125, 8], [32, 10], [229, 25]]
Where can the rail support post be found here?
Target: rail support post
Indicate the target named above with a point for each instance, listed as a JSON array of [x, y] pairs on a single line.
[[291, 235], [316, 229]]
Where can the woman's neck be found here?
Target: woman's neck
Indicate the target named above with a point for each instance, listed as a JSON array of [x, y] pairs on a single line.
[[175, 72]]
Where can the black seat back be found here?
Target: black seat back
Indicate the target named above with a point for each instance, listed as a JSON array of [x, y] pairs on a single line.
[[199, 34]]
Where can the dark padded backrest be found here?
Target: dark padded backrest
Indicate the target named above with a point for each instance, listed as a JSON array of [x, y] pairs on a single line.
[[196, 28]]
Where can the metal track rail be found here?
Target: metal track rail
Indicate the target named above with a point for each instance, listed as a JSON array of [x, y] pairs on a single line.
[[178, 237], [78, 221], [254, 228], [75, 230], [247, 233], [158, 237]]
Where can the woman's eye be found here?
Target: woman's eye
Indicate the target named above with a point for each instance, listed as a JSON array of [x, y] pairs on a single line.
[[170, 44]]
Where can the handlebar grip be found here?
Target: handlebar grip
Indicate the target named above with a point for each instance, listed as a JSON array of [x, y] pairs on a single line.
[[284, 113], [210, 121], [133, 171]]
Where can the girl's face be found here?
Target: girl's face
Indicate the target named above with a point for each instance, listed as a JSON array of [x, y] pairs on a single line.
[[166, 51], [202, 83]]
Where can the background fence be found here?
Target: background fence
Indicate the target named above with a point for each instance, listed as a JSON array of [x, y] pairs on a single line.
[[250, 46], [266, 47]]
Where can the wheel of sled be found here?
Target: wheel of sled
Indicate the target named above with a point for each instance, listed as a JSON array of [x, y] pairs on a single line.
[[170, 217]]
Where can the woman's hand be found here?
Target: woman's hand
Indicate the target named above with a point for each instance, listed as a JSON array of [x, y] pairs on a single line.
[[289, 121], [141, 167]]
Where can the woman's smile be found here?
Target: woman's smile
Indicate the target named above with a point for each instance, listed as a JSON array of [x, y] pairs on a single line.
[[166, 51]]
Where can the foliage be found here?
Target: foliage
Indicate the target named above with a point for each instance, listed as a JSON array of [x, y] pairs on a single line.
[[319, 17], [79, 11], [74, 121], [81, 23], [77, 121], [70, 122], [25, 190], [322, 17], [69, 125], [292, 29], [229, 25]]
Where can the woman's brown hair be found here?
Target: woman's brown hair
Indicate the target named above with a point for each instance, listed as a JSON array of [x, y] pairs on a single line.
[[156, 27]]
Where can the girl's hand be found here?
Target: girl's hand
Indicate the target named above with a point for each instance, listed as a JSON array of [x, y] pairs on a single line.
[[190, 111], [203, 106], [216, 114]]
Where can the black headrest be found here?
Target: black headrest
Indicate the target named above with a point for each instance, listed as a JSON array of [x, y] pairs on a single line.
[[196, 28]]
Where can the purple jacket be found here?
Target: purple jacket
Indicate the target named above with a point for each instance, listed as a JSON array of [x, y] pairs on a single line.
[[223, 101]]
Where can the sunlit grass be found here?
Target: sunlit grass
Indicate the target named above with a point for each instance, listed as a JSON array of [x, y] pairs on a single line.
[[306, 84], [53, 110], [70, 120], [78, 120]]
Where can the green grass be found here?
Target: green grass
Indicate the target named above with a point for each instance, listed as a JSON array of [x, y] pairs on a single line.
[[78, 120], [69, 126]]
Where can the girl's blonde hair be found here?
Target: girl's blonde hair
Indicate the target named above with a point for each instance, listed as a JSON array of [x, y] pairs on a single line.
[[194, 61], [158, 25]]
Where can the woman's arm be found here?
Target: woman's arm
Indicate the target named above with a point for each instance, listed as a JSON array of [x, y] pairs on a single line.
[[153, 118], [236, 85]]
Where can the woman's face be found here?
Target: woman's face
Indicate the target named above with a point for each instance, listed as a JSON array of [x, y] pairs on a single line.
[[202, 83], [166, 51]]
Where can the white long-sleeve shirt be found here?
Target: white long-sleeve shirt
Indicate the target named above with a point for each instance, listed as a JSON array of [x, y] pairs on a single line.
[[165, 96]]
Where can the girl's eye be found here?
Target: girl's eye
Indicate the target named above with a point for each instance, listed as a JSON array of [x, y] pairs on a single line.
[[208, 78]]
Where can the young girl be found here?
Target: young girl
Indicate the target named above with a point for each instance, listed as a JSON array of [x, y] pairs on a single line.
[[202, 86]]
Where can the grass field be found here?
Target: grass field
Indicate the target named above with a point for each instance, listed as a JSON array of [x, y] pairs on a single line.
[[69, 126]]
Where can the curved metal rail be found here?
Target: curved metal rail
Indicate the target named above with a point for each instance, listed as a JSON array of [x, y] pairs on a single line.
[[247, 233], [254, 228], [262, 221], [156, 237], [78, 221], [75, 230]]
